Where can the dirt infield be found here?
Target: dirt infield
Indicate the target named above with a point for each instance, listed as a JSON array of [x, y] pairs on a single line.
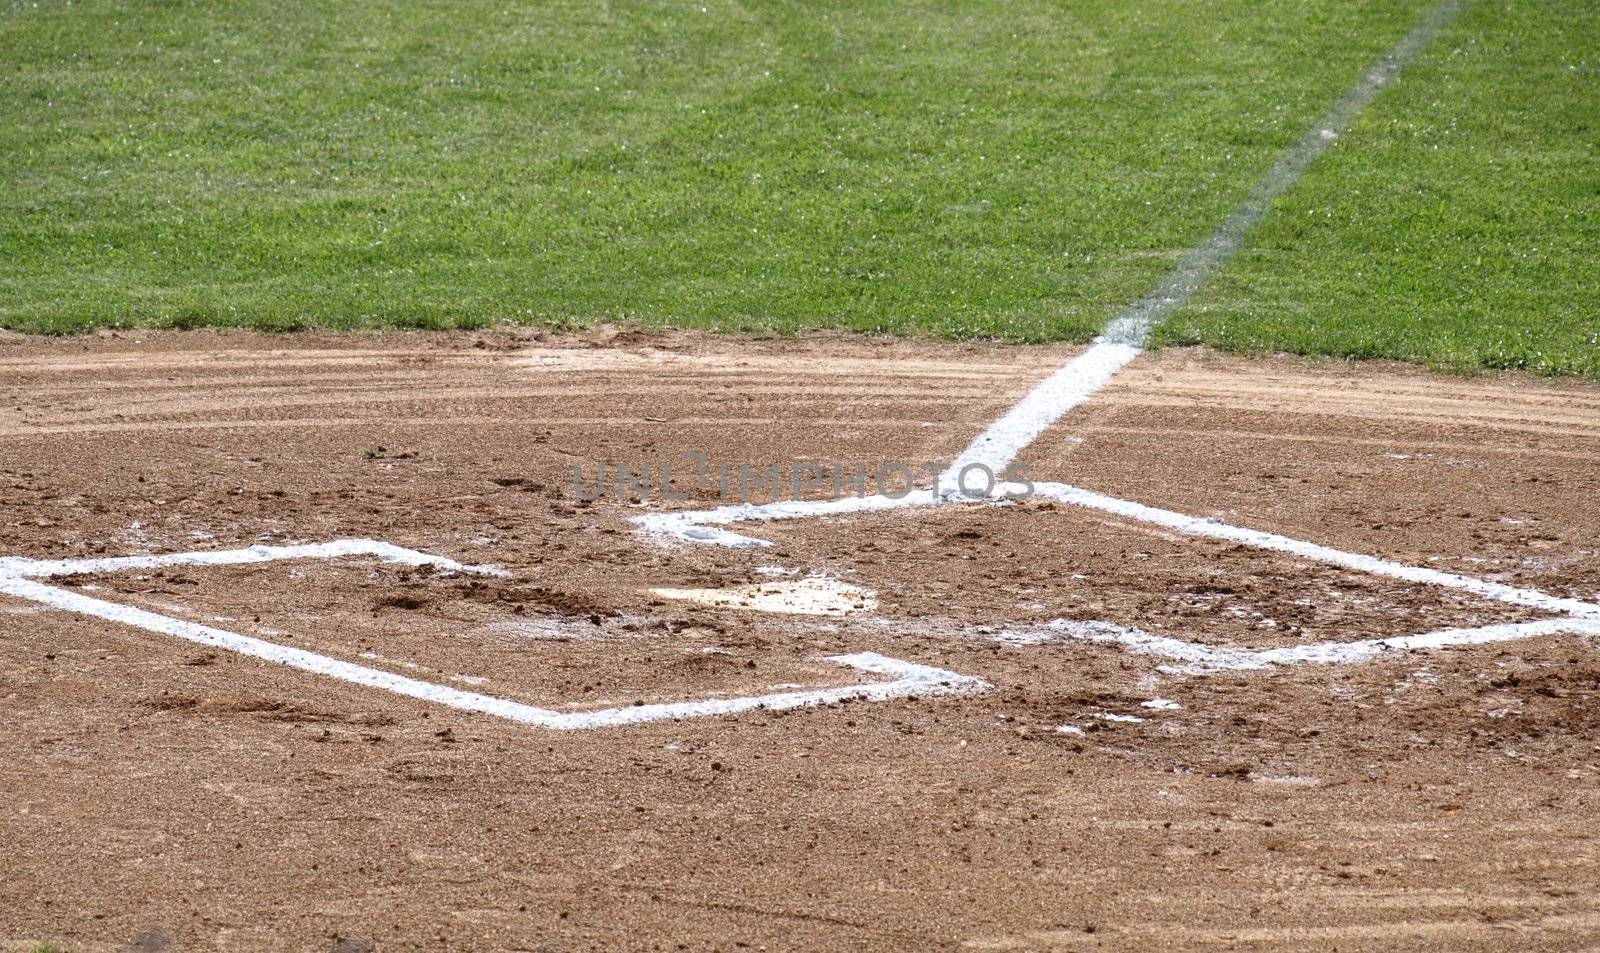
[[163, 794]]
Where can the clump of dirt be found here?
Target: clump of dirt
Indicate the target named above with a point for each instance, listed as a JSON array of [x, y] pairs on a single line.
[[267, 709], [521, 598], [401, 600], [708, 662], [1522, 704]]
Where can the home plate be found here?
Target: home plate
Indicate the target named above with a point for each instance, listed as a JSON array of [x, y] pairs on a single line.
[[814, 595]]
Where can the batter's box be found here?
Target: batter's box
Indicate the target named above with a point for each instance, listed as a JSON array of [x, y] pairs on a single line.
[[1185, 655], [20, 578], [1028, 565]]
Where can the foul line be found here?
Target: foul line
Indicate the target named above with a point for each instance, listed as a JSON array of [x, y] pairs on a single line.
[[1124, 337]]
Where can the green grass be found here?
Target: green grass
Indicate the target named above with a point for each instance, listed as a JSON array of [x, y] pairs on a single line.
[[1018, 170], [1457, 225]]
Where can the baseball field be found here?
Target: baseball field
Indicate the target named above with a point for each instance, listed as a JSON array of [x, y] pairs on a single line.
[[747, 475]]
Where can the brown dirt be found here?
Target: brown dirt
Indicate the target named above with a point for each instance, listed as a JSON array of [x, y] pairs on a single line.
[[160, 795]]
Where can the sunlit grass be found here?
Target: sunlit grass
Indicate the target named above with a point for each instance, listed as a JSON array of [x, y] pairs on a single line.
[[983, 169], [1458, 223], [1017, 170]]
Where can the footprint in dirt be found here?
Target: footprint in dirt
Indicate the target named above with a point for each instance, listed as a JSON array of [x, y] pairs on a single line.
[[153, 940], [350, 944]]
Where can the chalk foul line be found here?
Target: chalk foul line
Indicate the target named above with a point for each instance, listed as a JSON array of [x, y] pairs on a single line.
[[17, 578], [1125, 335]]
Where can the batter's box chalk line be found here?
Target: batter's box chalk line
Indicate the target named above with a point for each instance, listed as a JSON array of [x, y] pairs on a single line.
[[1195, 658], [1574, 616], [19, 577], [683, 526]]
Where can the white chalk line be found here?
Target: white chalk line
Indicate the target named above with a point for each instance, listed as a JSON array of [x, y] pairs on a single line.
[[1202, 659], [1314, 552], [910, 679], [1123, 339], [700, 526], [1255, 539], [1072, 384], [339, 548]]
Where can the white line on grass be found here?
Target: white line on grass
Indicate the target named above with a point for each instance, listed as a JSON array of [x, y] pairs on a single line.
[[1124, 337]]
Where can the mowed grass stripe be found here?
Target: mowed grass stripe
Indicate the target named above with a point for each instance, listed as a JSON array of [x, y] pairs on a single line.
[[1012, 170], [1457, 224]]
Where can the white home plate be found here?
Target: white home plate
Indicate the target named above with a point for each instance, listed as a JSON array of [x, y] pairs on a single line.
[[814, 595]]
